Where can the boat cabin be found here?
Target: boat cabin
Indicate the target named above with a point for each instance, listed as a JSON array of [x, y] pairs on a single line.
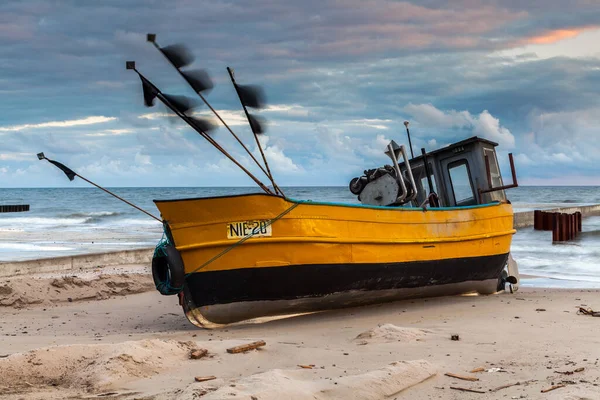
[[465, 173], [459, 173]]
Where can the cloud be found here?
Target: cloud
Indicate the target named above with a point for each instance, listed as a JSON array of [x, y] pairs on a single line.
[[142, 159], [231, 117], [109, 84], [92, 120], [557, 35], [16, 156], [375, 123], [483, 125], [288, 110], [429, 115], [279, 162], [562, 158]]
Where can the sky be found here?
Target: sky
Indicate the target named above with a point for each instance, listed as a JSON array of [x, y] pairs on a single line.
[[340, 78]]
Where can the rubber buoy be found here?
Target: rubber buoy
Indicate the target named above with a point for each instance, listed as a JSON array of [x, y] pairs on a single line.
[[168, 271]]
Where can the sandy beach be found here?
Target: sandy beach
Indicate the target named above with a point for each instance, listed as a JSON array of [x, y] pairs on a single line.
[[110, 335]]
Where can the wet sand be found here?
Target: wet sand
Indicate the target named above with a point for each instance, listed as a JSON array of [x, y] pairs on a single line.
[[137, 346]]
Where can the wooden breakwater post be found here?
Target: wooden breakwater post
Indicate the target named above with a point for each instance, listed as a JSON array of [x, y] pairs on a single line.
[[564, 226], [10, 208], [543, 220]]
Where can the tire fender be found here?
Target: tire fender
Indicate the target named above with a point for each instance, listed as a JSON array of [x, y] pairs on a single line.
[[168, 271]]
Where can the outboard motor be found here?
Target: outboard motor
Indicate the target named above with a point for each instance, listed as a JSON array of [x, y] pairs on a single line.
[[386, 186]]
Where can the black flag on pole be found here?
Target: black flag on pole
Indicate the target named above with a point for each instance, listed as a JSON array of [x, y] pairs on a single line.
[[198, 80], [251, 96], [149, 93], [68, 171], [178, 54]]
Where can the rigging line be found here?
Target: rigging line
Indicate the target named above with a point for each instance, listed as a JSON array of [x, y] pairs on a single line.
[[214, 143], [222, 121], [72, 174], [184, 117], [120, 198], [275, 186], [270, 175]]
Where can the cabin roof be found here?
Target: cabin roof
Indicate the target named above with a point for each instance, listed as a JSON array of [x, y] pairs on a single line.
[[474, 139]]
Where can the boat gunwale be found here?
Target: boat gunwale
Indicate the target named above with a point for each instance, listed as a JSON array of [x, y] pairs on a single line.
[[334, 204]]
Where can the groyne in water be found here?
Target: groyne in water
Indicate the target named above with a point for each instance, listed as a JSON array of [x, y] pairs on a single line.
[[81, 262], [525, 219]]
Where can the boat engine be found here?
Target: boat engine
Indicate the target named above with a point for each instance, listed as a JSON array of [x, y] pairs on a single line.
[[387, 185], [381, 187]]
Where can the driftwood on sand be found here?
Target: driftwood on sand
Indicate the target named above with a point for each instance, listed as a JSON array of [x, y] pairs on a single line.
[[246, 347], [463, 377]]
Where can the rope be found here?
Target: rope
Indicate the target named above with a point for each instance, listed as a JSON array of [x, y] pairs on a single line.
[[227, 250], [166, 289], [159, 250]]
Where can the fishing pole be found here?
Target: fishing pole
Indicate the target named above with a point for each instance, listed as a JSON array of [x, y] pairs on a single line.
[[199, 81], [179, 108], [72, 174], [245, 94]]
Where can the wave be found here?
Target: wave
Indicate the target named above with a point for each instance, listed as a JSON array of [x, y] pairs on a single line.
[[73, 220], [91, 214], [138, 222], [34, 222], [570, 278], [30, 247], [92, 217]]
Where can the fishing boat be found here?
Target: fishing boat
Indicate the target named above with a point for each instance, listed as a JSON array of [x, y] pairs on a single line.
[[256, 255], [432, 225]]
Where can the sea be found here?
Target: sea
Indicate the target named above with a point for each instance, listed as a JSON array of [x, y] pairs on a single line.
[[68, 221]]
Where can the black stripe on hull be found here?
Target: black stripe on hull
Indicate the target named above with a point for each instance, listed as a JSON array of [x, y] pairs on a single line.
[[301, 281]]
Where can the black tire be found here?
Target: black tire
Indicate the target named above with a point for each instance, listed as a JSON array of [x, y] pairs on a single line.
[[168, 272]]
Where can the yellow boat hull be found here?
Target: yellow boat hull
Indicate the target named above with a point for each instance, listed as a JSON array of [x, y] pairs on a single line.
[[308, 256]]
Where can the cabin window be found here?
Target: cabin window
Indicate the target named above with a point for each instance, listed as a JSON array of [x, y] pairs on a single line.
[[495, 175], [425, 184], [460, 178], [421, 182]]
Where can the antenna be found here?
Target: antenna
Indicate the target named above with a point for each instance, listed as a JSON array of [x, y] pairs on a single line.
[[409, 142]]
